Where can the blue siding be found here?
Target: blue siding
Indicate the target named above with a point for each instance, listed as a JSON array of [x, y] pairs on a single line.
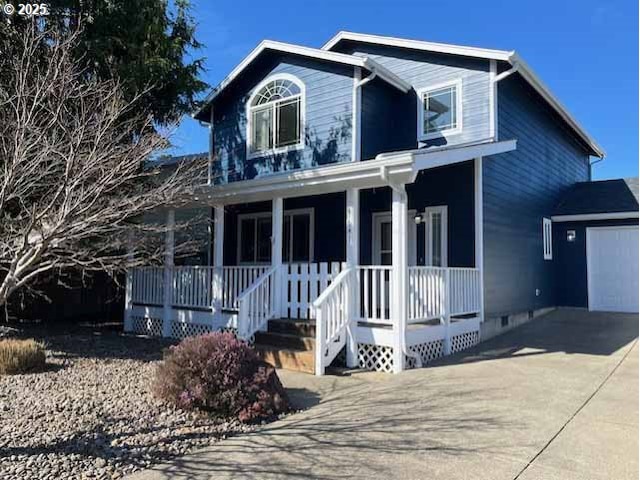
[[388, 119], [425, 69], [570, 260], [520, 188], [451, 186], [328, 116]]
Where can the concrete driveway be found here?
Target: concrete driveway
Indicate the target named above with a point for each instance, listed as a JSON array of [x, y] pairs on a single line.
[[554, 399]]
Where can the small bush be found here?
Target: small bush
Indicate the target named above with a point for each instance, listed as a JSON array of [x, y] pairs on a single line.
[[220, 374], [21, 356]]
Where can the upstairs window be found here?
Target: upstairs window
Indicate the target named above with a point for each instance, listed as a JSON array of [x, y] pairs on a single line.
[[440, 110], [547, 239], [275, 116]]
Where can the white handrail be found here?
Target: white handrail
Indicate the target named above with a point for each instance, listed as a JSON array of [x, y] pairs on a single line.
[[257, 304], [332, 319]]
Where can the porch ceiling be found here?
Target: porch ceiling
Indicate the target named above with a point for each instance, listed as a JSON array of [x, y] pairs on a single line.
[[396, 168]]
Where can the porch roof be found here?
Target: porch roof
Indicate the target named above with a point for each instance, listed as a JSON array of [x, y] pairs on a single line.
[[396, 168]]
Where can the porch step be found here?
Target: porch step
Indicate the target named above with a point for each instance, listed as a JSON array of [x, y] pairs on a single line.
[[284, 340], [289, 344], [291, 326], [289, 359]]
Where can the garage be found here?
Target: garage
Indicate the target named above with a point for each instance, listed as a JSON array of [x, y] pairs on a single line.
[[595, 246], [612, 268]]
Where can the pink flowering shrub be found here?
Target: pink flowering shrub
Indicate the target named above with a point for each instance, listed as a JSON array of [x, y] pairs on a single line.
[[219, 374]]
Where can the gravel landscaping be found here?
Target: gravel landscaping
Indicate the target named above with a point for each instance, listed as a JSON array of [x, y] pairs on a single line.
[[92, 414]]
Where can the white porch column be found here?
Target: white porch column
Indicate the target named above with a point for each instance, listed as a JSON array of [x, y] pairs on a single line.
[[128, 293], [399, 274], [277, 218], [218, 259], [479, 227], [353, 260], [169, 244]]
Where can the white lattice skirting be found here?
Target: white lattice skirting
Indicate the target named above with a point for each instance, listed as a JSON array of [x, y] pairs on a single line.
[[427, 351], [146, 326], [464, 341], [378, 358], [183, 329]]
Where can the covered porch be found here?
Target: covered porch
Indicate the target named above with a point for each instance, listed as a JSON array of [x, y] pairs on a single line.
[[338, 249]]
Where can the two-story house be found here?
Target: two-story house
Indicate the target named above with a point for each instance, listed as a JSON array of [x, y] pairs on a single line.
[[379, 200]]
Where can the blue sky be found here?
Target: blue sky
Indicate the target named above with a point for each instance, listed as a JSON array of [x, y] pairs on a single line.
[[586, 51]]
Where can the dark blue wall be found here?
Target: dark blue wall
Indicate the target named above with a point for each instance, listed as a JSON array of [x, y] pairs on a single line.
[[570, 260], [388, 120], [519, 189], [451, 186], [329, 225]]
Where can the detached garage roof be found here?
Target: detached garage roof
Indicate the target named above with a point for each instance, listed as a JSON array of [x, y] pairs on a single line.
[[605, 199]]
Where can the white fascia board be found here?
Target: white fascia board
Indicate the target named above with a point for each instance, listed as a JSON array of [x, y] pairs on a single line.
[[585, 217], [539, 86], [503, 55], [333, 178], [328, 56], [419, 45], [437, 157]]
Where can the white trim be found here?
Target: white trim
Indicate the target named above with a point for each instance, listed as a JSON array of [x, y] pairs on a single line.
[[318, 54], [479, 228], [356, 116], [547, 239], [249, 115], [457, 83], [418, 45], [428, 235], [501, 55], [584, 217], [493, 100], [396, 167]]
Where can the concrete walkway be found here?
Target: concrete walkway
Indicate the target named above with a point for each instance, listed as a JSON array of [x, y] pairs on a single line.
[[554, 399]]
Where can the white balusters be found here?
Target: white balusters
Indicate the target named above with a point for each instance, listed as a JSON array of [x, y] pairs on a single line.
[[257, 304], [332, 317], [375, 288]]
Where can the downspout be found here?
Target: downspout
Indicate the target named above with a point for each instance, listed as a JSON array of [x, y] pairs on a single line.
[[366, 80], [403, 338]]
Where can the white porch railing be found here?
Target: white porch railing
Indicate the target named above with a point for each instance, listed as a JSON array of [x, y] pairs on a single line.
[[236, 280], [332, 318], [374, 283], [147, 285], [257, 304], [435, 292], [303, 283]]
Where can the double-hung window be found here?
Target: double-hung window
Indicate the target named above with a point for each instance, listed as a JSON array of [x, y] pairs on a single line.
[[440, 110], [275, 115]]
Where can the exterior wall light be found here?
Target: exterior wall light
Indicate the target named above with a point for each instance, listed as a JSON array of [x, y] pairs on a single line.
[[571, 235], [418, 219]]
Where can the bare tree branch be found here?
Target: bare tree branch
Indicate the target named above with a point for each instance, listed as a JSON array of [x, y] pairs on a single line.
[[76, 178]]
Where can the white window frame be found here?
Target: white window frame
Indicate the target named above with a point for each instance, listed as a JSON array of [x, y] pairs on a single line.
[[376, 240], [257, 215], [428, 235], [291, 213], [250, 216], [420, 103], [249, 110], [547, 238]]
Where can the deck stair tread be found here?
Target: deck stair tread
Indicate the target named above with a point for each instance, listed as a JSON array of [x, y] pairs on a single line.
[[288, 343]]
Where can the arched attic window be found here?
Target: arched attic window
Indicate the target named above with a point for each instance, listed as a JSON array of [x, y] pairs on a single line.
[[275, 113]]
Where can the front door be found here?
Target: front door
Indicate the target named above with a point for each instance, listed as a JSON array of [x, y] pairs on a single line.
[[382, 238]]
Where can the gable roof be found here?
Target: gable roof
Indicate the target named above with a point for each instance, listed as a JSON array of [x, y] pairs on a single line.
[[604, 196], [510, 57], [315, 53]]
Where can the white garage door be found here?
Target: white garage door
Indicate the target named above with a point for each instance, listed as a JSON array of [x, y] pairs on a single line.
[[612, 268]]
